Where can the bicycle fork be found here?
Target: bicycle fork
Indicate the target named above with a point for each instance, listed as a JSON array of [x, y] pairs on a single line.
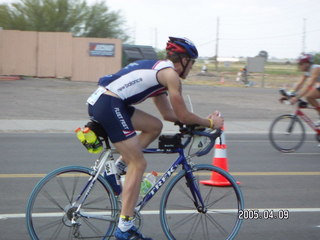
[[291, 125], [194, 189]]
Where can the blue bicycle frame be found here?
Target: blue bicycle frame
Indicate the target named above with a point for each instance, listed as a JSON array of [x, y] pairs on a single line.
[[181, 160]]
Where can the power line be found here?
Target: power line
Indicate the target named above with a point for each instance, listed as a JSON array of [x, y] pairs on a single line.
[[304, 35]]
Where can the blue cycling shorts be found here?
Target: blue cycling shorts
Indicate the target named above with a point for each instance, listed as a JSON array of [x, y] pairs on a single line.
[[114, 116]]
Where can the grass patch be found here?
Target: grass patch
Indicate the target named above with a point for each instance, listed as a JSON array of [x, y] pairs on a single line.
[[276, 75]]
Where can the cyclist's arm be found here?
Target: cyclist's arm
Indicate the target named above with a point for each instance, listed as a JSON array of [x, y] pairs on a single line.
[[165, 108], [313, 79], [169, 78], [300, 83]]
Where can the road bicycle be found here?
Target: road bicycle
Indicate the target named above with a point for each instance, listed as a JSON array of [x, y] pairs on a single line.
[[287, 132], [77, 202]]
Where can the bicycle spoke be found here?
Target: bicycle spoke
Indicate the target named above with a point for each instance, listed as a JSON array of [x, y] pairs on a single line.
[[185, 192], [57, 232], [55, 196], [218, 223], [49, 225], [93, 228], [194, 226], [94, 201], [220, 198], [218, 226], [181, 207], [208, 195], [74, 187], [184, 221], [205, 230], [51, 199], [70, 233], [63, 187]]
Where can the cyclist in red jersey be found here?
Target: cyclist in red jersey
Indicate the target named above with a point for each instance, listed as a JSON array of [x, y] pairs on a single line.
[[311, 79]]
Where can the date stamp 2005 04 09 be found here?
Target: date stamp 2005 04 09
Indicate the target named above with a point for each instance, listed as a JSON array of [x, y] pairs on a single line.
[[254, 214]]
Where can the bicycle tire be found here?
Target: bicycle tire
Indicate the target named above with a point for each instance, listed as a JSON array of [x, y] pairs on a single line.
[[49, 209], [287, 133], [180, 218]]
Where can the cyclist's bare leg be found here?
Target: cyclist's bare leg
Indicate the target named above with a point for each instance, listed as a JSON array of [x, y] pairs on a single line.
[[149, 126], [312, 97], [131, 151]]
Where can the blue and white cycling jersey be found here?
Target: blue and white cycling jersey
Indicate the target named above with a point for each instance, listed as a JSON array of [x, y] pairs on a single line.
[[137, 81]]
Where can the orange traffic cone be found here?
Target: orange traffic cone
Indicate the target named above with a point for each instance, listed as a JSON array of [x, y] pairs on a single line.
[[222, 79], [219, 160]]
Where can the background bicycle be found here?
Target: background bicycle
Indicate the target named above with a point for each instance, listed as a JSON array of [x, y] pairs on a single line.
[[287, 132], [78, 203]]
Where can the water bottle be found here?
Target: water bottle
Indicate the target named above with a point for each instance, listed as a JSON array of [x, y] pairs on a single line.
[[80, 135], [95, 145], [148, 182], [112, 177]]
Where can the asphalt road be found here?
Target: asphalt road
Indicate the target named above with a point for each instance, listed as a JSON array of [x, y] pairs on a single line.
[[269, 180]]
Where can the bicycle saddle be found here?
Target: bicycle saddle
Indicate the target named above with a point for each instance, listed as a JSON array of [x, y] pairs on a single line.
[[98, 129]]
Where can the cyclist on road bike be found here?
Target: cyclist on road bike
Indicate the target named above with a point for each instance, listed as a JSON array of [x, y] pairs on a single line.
[[111, 106], [312, 89]]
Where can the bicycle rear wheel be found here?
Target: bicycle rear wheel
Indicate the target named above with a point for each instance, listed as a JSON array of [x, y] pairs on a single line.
[[52, 207], [219, 220], [287, 133]]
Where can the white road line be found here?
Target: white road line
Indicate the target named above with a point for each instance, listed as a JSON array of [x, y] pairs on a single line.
[[156, 212]]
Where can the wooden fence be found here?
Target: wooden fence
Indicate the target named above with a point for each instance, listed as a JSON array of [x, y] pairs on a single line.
[[58, 54]]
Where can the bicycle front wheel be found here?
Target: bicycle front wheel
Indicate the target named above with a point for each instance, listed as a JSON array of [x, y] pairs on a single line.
[[287, 133], [180, 219], [54, 212]]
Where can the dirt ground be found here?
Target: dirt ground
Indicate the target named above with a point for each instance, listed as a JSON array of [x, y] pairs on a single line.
[[62, 99]]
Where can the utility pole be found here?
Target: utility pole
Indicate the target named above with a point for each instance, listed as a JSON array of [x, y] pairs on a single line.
[[155, 38], [134, 32], [304, 35], [217, 43]]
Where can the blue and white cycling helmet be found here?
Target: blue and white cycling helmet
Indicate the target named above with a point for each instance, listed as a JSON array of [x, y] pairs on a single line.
[[182, 46]]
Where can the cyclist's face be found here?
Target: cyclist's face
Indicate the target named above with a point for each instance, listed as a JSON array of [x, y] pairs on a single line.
[[190, 63], [304, 67]]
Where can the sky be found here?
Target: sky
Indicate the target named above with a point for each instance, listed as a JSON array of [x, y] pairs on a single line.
[[283, 28], [245, 27]]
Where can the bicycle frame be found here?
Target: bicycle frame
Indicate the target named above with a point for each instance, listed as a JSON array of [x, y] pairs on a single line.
[[304, 117], [78, 208], [181, 160], [98, 169]]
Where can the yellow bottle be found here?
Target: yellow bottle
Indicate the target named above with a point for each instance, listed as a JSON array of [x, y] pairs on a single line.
[[80, 135], [92, 140]]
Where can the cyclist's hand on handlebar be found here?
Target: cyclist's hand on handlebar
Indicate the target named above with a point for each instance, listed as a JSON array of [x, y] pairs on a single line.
[[293, 100], [282, 99], [218, 120]]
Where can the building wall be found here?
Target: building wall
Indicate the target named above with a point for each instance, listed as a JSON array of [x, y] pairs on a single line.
[[91, 68], [55, 54], [18, 53]]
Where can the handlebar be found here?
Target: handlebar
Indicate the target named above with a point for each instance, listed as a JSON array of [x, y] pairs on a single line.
[[288, 95], [284, 93], [196, 130]]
